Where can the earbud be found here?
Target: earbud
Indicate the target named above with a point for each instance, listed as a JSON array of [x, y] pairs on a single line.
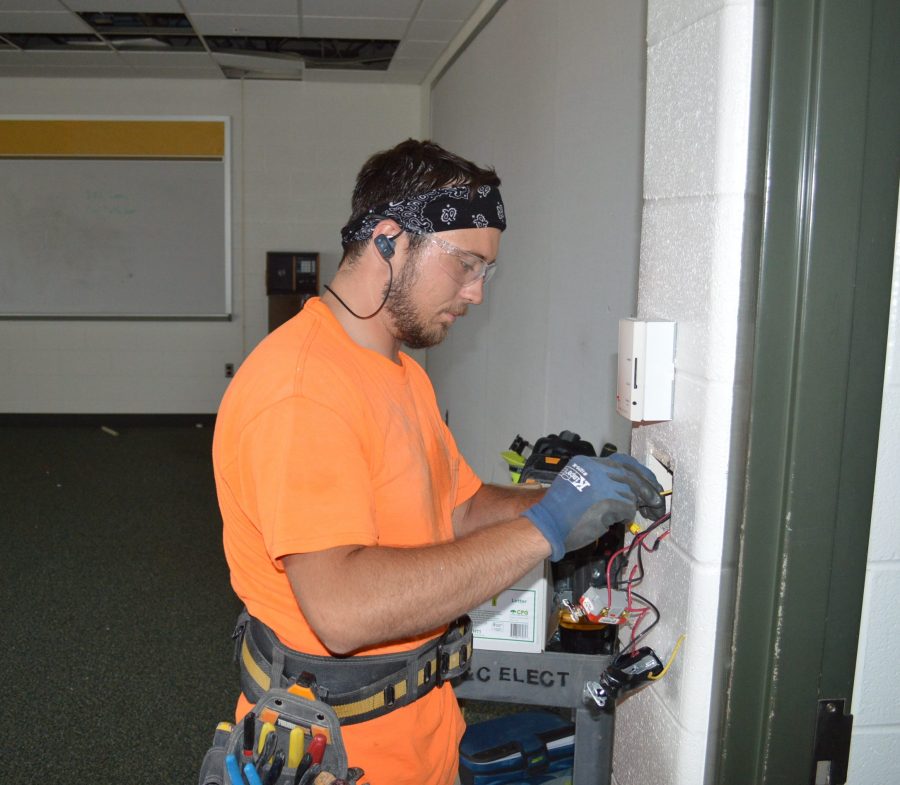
[[385, 246]]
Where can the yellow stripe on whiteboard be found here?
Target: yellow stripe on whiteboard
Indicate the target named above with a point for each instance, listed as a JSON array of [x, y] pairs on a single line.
[[112, 139]]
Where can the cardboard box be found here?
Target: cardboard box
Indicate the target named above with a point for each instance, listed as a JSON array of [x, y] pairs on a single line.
[[517, 619]]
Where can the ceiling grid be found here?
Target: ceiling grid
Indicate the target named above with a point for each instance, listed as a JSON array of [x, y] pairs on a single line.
[[387, 41]]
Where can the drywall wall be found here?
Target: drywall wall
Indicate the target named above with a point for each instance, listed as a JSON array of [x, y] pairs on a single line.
[[296, 148], [566, 123], [562, 122]]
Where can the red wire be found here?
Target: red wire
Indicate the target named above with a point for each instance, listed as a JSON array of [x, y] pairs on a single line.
[[658, 540], [641, 611], [637, 623], [609, 565], [630, 579]]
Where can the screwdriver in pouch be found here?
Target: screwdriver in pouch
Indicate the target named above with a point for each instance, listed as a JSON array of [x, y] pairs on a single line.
[[234, 771], [296, 747], [305, 765], [265, 747], [317, 747], [249, 734], [275, 769], [252, 774]]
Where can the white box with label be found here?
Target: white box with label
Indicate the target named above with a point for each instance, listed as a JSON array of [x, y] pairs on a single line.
[[518, 618], [646, 385]]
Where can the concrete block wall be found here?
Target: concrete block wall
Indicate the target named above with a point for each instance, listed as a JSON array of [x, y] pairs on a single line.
[[296, 148], [874, 758], [697, 267]]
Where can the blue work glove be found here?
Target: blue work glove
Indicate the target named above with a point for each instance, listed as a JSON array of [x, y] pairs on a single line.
[[591, 494]]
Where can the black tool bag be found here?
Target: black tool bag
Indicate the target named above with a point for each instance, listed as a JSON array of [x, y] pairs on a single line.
[[550, 453]]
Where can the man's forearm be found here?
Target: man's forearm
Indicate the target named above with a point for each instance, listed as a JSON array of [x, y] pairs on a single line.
[[356, 597], [492, 504]]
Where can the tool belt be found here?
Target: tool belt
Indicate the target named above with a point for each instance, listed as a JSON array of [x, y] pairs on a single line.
[[358, 688]]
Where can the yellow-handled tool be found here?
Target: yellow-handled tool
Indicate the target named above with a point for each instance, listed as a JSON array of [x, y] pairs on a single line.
[[296, 747]]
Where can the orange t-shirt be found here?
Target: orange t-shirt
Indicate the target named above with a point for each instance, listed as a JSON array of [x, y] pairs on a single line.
[[321, 443]]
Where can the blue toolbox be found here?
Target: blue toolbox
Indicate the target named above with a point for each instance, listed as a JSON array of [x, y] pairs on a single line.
[[533, 747]]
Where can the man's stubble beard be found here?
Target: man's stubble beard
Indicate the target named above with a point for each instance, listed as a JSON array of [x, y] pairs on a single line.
[[409, 327]]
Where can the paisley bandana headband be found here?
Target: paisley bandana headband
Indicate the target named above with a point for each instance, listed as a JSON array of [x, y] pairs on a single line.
[[441, 210]]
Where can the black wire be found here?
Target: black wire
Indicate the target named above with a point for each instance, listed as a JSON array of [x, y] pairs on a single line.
[[618, 583], [636, 580], [657, 523], [623, 559], [653, 624], [378, 309], [640, 564], [387, 292]]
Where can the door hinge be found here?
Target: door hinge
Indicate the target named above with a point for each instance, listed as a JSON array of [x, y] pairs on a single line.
[[832, 743]]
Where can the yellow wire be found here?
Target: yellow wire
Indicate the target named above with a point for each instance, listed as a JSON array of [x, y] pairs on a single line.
[[669, 663], [665, 493]]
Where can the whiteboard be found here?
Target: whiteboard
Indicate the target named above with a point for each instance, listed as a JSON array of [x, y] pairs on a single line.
[[107, 238]]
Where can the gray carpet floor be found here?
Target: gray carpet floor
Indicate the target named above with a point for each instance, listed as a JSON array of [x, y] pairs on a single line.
[[115, 604]]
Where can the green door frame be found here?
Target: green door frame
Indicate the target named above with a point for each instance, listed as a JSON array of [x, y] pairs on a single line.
[[831, 178]]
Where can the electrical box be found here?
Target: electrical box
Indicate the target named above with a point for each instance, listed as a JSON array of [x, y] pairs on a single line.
[[292, 277], [292, 272], [646, 385]]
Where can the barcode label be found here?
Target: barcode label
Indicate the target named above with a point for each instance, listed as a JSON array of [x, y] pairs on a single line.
[[518, 631]]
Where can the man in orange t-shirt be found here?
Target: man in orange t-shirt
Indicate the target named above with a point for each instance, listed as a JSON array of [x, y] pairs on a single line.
[[352, 524]]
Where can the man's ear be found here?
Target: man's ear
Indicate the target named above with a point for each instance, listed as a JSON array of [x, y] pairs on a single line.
[[388, 227]]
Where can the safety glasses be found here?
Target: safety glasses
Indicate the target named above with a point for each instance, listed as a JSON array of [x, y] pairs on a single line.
[[466, 268]]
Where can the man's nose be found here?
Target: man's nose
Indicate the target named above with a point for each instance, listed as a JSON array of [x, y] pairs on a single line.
[[474, 292]]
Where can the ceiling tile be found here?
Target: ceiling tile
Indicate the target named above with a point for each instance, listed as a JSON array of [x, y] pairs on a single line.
[[167, 59], [338, 27], [64, 71], [433, 29], [381, 9], [42, 23], [404, 77], [328, 75], [276, 65], [69, 59], [422, 50], [411, 64], [31, 5], [123, 6], [152, 72], [441, 9], [244, 24], [424, 28], [264, 7]]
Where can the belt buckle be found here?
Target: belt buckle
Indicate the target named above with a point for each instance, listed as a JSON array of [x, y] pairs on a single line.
[[459, 629], [442, 665]]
